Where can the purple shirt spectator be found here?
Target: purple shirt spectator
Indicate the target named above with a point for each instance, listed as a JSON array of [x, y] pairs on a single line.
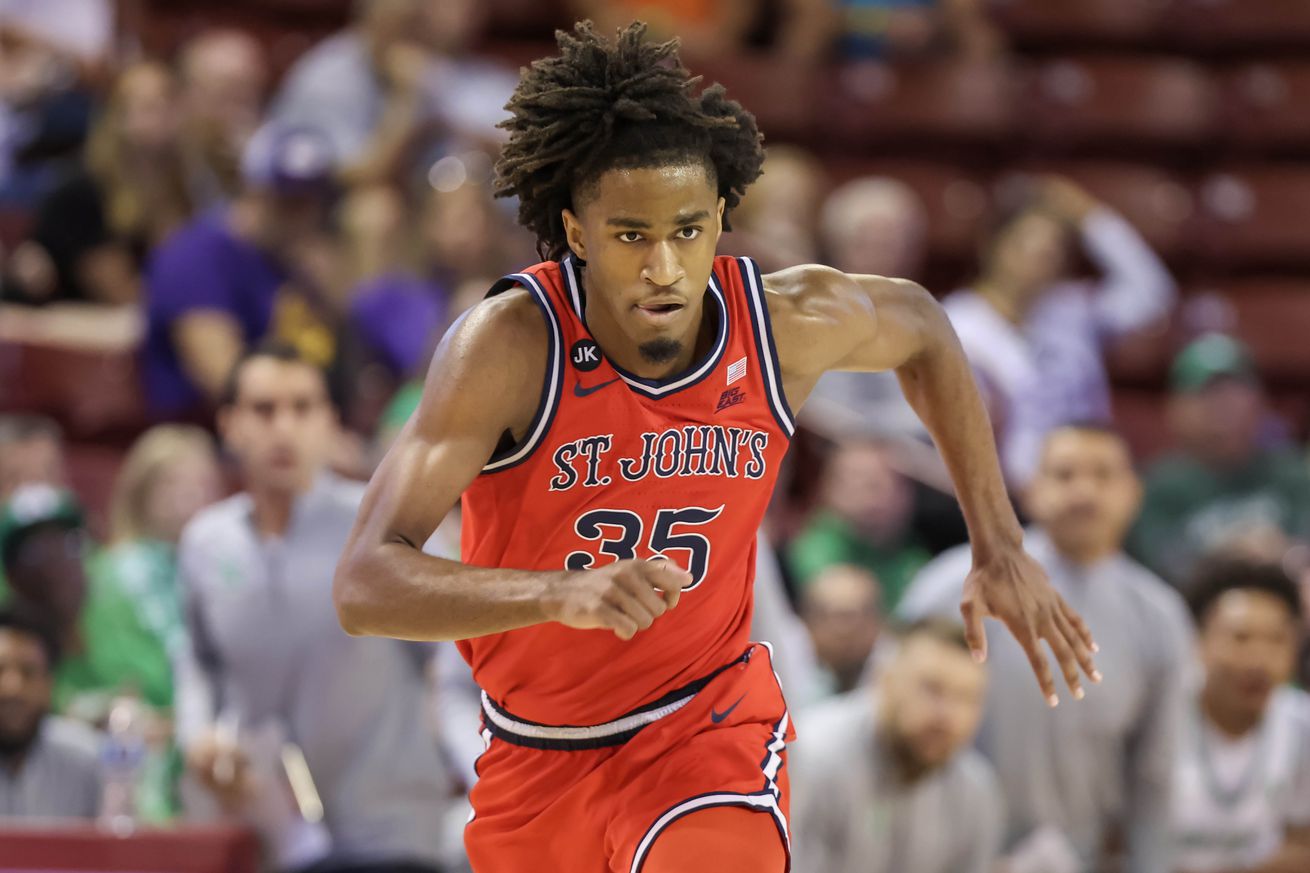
[[397, 316], [204, 266]]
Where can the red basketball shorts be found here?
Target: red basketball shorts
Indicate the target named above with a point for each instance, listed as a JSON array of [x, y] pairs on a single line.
[[595, 799]]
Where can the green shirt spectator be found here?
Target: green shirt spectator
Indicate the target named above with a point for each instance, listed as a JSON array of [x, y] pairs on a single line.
[[828, 539], [131, 626], [1226, 486], [864, 519]]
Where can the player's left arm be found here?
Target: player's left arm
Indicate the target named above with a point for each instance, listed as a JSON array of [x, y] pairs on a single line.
[[828, 320]]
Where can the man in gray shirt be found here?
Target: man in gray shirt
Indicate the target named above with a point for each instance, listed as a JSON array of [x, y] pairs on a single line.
[[1079, 784], [885, 782], [48, 765], [268, 654]]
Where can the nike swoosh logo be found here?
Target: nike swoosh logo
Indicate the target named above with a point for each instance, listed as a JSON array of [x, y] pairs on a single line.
[[716, 716], [579, 391]]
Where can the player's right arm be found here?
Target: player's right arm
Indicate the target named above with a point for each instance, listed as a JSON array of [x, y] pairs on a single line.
[[485, 379]]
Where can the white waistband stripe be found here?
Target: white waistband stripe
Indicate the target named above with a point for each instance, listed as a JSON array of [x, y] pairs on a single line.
[[590, 732]]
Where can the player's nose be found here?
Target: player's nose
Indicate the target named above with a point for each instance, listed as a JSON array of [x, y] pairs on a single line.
[[663, 268]]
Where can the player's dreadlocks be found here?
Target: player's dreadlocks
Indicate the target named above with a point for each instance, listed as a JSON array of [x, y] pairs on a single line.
[[598, 106]]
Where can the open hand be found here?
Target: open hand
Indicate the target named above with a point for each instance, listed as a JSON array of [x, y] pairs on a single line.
[[1013, 588]]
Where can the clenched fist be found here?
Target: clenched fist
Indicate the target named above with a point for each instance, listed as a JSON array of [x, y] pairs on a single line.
[[625, 597]]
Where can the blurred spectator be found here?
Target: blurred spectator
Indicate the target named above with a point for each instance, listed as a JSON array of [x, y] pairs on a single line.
[[132, 627], [49, 767], [400, 315], [43, 543], [48, 51], [1242, 800], [1076, 775], [775, 621], [1223, 484], [261, 267], [840, 609], [884, 781], [267, 652], [92, 233], [705, 28], [31, 452], [875, 225], [224, 78], [864, 519], [381, 88], [1034, 336], [775, 221]]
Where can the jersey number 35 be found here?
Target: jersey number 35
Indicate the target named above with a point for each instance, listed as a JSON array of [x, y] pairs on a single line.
[[619, 533]]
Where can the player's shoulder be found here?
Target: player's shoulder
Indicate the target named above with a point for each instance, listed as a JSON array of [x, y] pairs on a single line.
[[813, 295], [508, 326]]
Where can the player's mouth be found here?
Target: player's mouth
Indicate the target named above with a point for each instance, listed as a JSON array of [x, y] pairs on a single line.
[[660, 311]]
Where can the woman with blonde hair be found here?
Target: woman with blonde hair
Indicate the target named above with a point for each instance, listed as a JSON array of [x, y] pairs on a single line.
[[132, 622], [92, 233]]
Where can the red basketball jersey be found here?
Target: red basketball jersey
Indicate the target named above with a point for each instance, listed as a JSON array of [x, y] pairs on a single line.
[[616, 466]]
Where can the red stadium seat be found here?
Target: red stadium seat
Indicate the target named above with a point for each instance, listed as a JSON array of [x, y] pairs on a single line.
[[1043, 25], [1273, 317], [918, 105], [14, 225], [1156, 201], [1255, 218], [1140, 415], [1118, 105], [1266, 106], [93, 393], [1241, 25]]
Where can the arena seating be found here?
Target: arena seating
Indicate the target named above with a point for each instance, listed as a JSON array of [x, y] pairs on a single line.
[[1118, 105], [1266, 106], [1254, 217]]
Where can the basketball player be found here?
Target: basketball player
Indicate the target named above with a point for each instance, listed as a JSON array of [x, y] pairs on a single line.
[[631, 398]]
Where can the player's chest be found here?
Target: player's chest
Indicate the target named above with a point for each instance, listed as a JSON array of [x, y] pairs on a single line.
[[700, 437]]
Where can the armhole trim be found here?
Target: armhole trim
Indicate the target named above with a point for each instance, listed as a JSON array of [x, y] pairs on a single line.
[[550, 385], [764, 345]]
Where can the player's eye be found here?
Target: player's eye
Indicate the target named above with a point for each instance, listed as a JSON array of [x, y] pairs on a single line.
[[688, 232], [629, 236]]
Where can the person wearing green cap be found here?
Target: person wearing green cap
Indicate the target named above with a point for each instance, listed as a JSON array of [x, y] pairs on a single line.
[[48, 563], [1224, 486]]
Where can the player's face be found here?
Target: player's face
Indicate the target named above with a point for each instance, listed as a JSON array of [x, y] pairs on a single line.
[[282, 424], [24, 689], [648, 236], [935, 692], [1086, 493], [1248, 647]]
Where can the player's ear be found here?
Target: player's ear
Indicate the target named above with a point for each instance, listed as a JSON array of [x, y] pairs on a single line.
[[722, 203], [573, 234]]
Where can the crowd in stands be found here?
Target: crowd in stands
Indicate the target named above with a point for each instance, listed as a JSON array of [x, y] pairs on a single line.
[[264, 239]]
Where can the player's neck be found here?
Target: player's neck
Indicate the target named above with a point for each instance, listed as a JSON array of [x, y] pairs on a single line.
[[623, 352], [1230, 721]]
